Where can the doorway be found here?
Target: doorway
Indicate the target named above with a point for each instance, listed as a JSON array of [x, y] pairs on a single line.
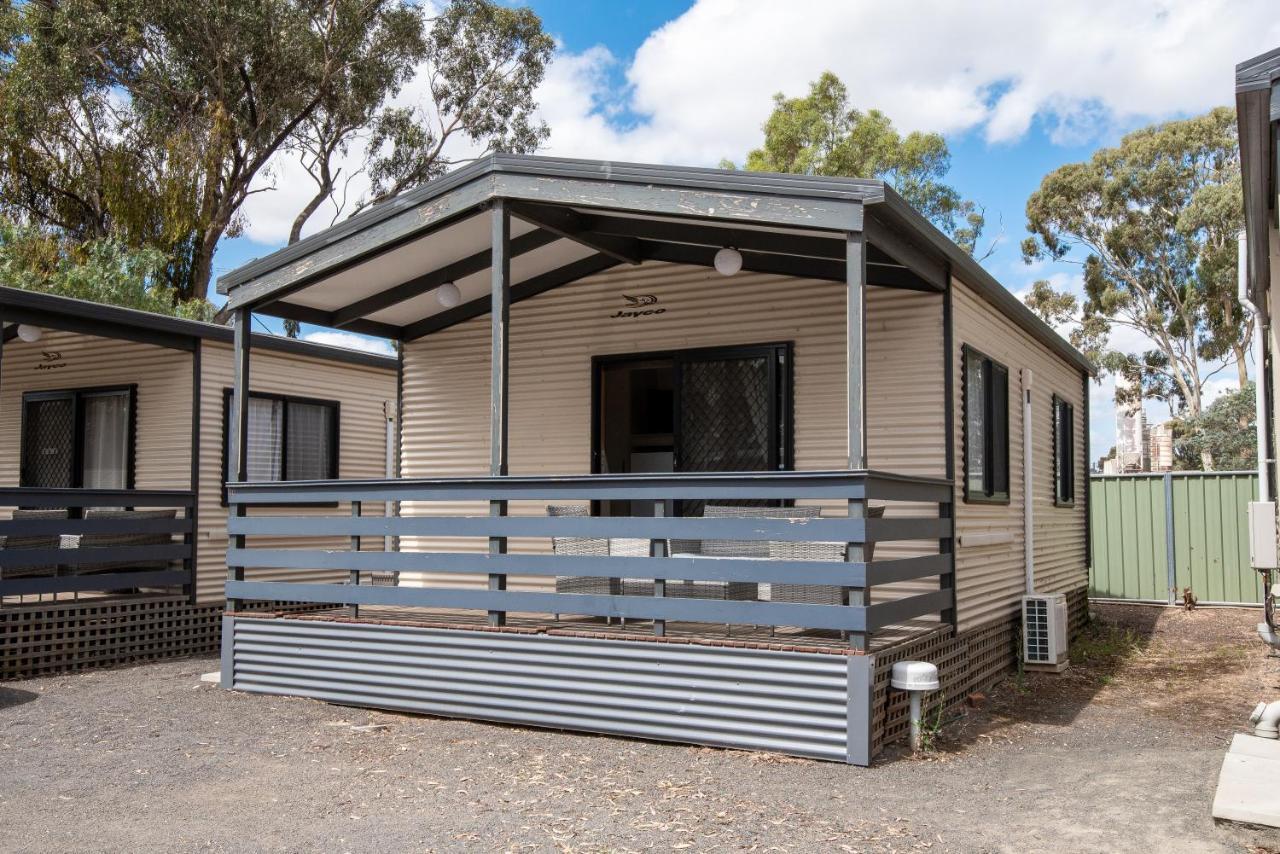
[[725, 409]]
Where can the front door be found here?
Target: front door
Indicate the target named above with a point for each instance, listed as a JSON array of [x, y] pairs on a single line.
[[705, 410]]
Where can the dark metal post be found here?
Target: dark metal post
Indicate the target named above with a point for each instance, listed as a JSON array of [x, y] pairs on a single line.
[[856, 370], [1171, 562], [192, 537], [354, 577], [946, 545], [499, 318], [658, 548], [239, 447]]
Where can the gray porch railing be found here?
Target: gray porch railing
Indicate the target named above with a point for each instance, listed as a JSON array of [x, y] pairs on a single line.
[[860, 619], [90, 548]]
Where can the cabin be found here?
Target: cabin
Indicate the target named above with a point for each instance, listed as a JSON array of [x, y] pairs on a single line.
[[683, 454], [1258, 122], [112, 463]]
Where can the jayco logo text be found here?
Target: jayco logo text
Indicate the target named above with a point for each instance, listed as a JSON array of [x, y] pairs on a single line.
[[641, 305]]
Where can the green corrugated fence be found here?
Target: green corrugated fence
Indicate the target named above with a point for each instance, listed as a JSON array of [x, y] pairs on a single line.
[[1201, 516]]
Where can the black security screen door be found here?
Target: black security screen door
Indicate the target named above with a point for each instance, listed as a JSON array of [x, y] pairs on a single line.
[[706, 410], [48, 443]]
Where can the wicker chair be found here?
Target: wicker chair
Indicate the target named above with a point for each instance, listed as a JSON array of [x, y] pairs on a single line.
[[583, 546], [37, 541], [815, 594], [89, 541]]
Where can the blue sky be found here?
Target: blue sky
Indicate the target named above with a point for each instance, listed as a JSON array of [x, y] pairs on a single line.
[[1017, 89]]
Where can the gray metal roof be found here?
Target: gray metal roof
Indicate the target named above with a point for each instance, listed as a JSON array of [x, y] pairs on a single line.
[[811, 204], [109, 321]]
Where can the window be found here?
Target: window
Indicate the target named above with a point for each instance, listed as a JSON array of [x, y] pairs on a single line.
[[290, 438], [986, 428], [1064, 452], [79, 438]]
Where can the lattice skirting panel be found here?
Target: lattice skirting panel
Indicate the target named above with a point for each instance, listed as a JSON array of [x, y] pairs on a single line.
[[46, 638], [974, 660]]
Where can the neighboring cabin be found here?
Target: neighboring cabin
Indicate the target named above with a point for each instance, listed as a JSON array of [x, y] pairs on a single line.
[[109, 408]]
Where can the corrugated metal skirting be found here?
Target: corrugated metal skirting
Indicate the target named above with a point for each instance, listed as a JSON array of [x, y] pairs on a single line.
[[805, 704]]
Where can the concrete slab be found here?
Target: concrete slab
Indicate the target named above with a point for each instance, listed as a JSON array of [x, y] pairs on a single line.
[[1249, 783]]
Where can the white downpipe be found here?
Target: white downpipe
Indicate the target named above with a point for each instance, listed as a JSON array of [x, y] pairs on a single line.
[[1259, 386], [1028, 487]]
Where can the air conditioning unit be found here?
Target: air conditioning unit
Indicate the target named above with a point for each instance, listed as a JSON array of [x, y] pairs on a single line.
[[1044, 632]]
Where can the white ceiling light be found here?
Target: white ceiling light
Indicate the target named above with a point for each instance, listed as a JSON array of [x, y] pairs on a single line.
[[728, 261], [448, 295], [29, 334]]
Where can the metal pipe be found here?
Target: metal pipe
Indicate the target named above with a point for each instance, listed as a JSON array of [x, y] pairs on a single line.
[[1259, 387], [1028, 486]]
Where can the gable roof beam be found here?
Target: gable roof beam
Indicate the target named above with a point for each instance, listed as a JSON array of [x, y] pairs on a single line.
[[418, 285], [570, 225]]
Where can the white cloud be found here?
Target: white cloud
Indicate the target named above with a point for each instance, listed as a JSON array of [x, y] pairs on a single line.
[[350, 341], [699, 87]]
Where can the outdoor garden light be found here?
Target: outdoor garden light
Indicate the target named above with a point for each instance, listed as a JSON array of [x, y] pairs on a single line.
[[728, 261], [29, 334], [448, 295], [916, 678]]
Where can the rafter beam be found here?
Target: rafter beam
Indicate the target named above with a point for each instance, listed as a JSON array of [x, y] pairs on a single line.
[[571, 225], [319, 317], [418, 285], [531, 287], [924, 264], [821, 269]]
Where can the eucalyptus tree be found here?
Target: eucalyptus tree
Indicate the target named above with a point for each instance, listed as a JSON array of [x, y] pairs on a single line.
[[822, 134], [1152, 223], [151, 122]]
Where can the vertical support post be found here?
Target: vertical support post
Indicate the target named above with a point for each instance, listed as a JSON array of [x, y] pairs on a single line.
[[1171, 567], [861, 677], [499, 319], [855, 346], [354, 577], [946, 545], [191, 538], [658, 548], [238, 467], [856, 370]]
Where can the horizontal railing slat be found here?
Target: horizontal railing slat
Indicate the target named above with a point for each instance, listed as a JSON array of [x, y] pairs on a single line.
[[761, 571], [907, 568], [717, 611], [831, 529], [101, 581], [739, 485], [32, 497], [16, 558], [897, 611], [33, 527]]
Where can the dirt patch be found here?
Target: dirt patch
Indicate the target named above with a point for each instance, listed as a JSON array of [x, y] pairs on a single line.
[[1121, 753]]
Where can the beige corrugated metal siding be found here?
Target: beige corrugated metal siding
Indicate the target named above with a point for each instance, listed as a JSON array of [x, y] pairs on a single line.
[[163, 377], [360, 391], [555, 335], [990, 566]]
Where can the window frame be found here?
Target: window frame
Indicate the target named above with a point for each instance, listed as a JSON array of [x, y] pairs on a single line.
[[1059, 500], [989, 495], [335, 408], [77, 396]]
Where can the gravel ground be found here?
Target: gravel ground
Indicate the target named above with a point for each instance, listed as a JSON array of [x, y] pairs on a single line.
[[1121, 754]]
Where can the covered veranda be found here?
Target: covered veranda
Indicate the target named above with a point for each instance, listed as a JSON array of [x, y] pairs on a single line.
[[506, 230]]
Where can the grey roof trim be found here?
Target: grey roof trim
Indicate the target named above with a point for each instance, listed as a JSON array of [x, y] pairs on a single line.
[[145, 321], [880, 200], [764, 183], [973, 274], [1259, 72]]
